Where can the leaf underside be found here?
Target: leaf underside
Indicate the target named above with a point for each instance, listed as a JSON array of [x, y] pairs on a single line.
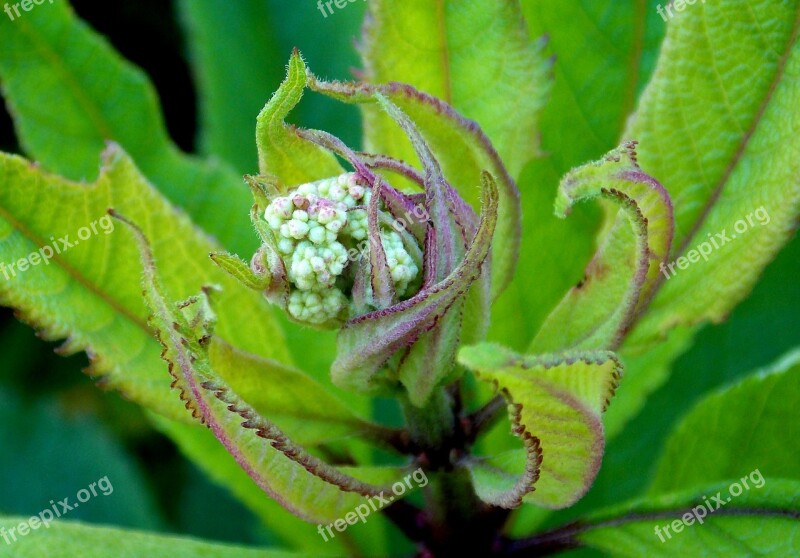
[[555, 402]]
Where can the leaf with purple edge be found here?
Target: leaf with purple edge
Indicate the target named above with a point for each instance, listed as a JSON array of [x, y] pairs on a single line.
[[429, 362], [366, 343], [383, 291], [558, 399], [620, 278], [505, 479], [302, 483], [443, 128], [445, 227]]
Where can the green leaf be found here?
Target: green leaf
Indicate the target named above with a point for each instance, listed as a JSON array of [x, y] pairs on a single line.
[[558, 400], [645, 372], [237, 57], [751, 425], [474, 55], [602, 57], [90, 292], [296, 403], [236, 65], [737, 200], [604, 53], [759, 522], [89, 450], [282, 153], [300, 482], [241, 271], [302, 25], [492, 74], [70, 93], [66, 539], [201, 447], [598, 311]]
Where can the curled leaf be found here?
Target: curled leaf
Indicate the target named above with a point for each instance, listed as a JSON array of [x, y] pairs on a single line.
[[557, 399], [619, 280], [366, 343], [281, 151], [464, 148], [302, 483], [494, 477]]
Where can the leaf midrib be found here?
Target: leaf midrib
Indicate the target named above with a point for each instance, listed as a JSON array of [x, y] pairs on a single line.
[[95, 116], [568, 534], [75, 274], [441, 24]]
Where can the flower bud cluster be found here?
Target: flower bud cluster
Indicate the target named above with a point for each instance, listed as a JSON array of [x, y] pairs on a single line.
[[314, 226]]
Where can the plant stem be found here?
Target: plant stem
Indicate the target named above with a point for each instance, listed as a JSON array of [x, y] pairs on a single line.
[[460, 524], [455, 520], [431, 427]]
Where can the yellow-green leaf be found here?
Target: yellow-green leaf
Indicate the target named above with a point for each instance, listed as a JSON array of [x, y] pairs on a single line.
[[620, 278], [90, 293], [69, 93], [282, 153], [558, 399], [717, 127]]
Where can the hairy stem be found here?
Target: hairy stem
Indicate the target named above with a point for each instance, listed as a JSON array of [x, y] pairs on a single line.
[[455, 521], [432, 427]]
